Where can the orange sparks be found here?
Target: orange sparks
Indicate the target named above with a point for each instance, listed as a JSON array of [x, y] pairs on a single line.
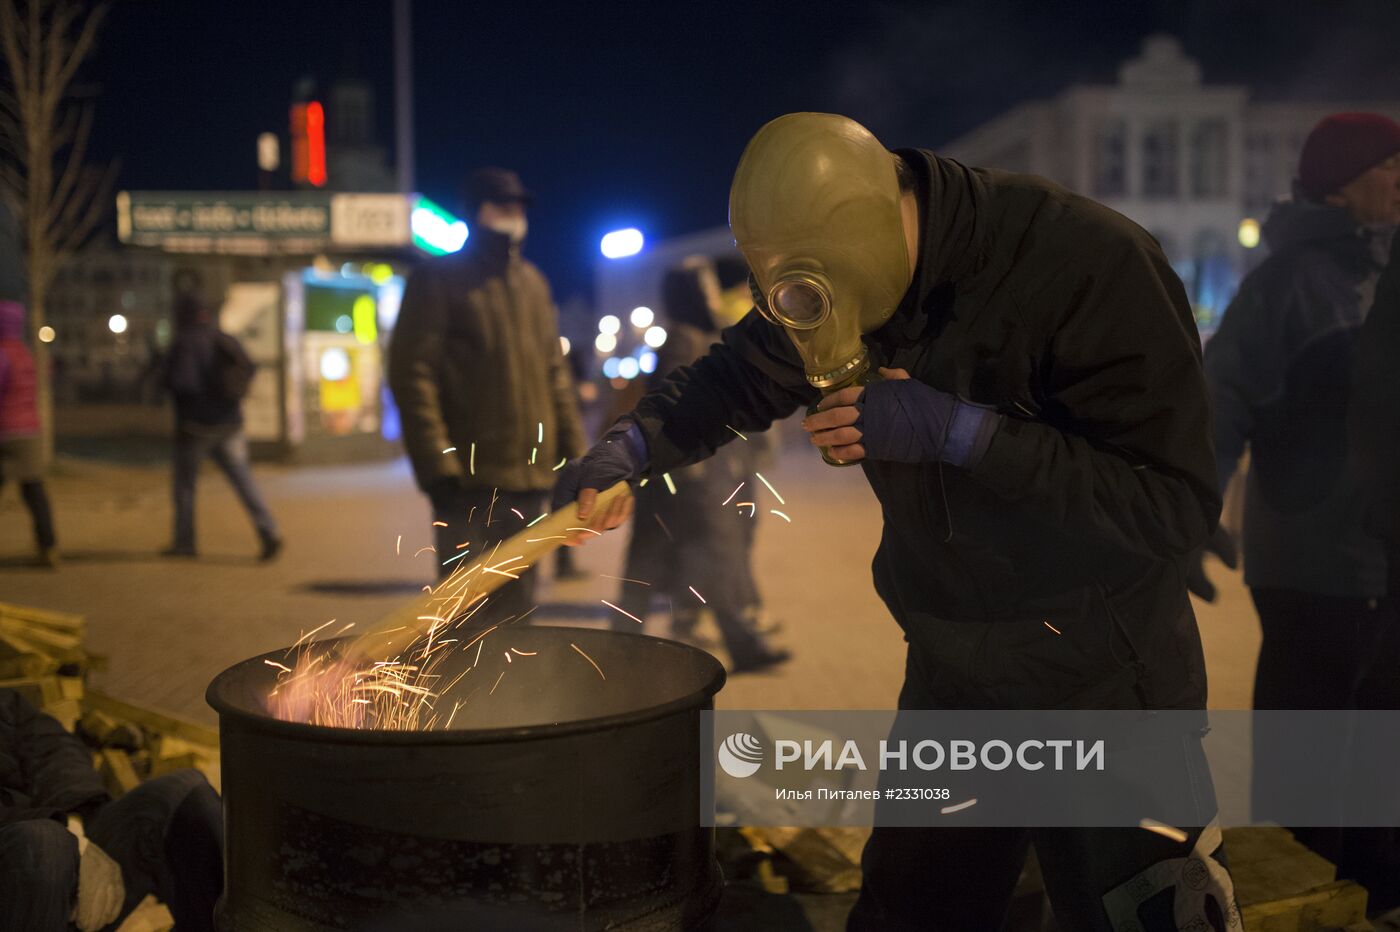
[[753, 509], [624, 579], [698, 595], [423, 550], [518, 514], [732, 494], [770, 488], [588, 529], [497, 683], [307, 635], [959, 807], [1163, 829], [439, 524], [525, 653], [625, 611], [589, 659], [509, 658], [398, 546], [737, 434], [1052, 627], [774, 511], [273, 663]]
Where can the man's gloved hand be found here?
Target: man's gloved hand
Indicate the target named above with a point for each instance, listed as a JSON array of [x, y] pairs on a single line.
[[100, 888], [902, 420], [620, 455], [1222, 544]]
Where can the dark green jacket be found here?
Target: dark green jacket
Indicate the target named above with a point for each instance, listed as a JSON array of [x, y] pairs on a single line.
[[1280, 373], [1375, 413], [476, 364], [1067, 318]]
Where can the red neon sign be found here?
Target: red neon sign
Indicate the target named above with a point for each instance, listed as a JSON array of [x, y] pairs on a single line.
[[309, 144]]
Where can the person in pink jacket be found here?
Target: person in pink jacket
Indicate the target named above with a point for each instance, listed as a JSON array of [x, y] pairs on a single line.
[[21, 452]]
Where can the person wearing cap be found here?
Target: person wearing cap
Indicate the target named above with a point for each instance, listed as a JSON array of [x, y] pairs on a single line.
[[485, 396], [1280, 374]]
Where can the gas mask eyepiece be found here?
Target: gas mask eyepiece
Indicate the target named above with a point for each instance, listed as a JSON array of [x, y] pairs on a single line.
[[795, 302]]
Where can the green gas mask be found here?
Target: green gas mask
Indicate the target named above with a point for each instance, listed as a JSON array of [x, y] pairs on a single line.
[[815, 209]]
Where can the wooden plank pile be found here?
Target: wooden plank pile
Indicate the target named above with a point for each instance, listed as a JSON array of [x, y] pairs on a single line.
[[1282, 886], [42, 656]]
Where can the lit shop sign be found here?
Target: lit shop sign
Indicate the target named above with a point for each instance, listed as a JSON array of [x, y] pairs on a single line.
[[291, 222], [218, 222]]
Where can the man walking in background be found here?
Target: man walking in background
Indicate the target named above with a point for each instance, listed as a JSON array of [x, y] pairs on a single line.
[[476, 368], [208, 373]]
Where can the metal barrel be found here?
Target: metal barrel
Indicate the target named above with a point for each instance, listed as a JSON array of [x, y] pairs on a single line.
[[561, 798]]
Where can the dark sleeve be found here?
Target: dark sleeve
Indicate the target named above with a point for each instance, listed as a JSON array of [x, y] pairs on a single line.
[[1374, 410], [55, 769], [748, 380], [1122, 453], [569, 437], [1246, 363], [414, 356]]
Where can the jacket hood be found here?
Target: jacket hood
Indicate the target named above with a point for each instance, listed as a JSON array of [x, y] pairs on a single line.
[[1298, 221], [11, 320]]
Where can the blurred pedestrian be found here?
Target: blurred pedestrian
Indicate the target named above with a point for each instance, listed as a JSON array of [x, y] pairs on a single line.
[[70, 856], [1280, 371], [477, 371], [208, 373], [21, 446], [689, 530]]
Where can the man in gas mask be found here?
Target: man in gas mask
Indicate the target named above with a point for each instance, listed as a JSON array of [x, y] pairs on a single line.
[[1017, 371], [486, 401]]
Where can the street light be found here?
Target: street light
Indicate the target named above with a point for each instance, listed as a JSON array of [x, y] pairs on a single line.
[[116, 323], [642, 317], [627, 368], [46, 334], [609, 324], [605, 343], [1249, 233], [620, 244], [654, 337], [564, 345]]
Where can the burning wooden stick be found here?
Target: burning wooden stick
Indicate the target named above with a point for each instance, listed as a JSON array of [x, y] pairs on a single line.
[[470, 584]]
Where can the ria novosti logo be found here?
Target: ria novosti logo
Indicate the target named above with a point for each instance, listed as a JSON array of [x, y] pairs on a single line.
[[741, 755]]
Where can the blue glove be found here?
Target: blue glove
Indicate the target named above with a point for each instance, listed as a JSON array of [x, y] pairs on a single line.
[[906, 421], [620, 454]]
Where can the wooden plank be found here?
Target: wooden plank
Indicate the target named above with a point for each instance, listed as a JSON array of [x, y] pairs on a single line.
[[1334, 906], [150, 719], [62, 621], [118, 773]]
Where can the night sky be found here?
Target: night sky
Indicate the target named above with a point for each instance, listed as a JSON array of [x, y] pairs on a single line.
[[635, 114]]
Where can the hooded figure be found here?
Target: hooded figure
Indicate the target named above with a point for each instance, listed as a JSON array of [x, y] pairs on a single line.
[[1039, 444], [21, 449]]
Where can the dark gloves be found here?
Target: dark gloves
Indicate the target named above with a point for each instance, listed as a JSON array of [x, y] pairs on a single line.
[[620, 455], [905, 421], [1222, 544]]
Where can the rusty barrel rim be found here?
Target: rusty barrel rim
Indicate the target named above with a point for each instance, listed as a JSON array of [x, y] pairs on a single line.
[[218, 697]]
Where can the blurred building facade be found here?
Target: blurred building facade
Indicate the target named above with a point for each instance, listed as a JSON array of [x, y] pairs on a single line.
[[1189, 161]]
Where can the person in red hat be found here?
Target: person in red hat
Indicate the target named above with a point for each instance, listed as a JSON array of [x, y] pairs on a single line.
[[1280, 375]]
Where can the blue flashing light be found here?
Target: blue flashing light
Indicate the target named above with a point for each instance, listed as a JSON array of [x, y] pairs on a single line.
[[647, 361], [627, 368], [611, 366], [620, 244]]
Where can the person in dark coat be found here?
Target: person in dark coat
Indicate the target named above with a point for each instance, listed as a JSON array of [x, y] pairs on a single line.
[[207, 371], [1039, 444], [689, 531], [486, 400], [21, 449], [1280, 370], [71, 856]]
